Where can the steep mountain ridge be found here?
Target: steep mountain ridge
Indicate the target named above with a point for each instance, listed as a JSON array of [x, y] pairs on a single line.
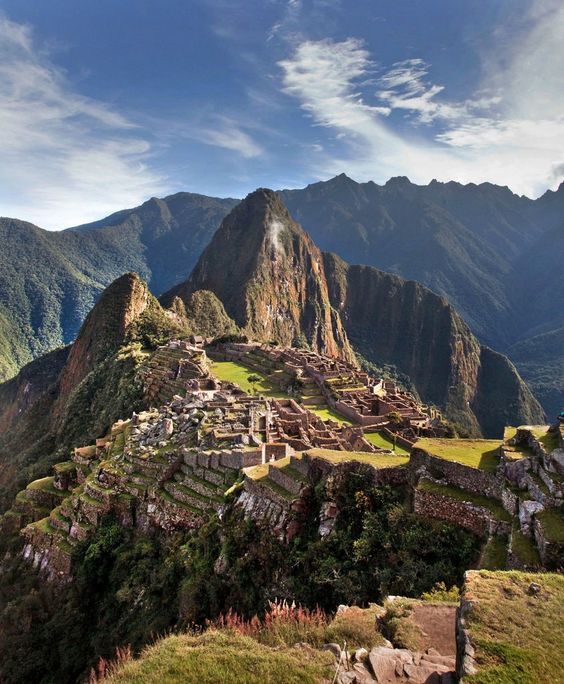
[[78, 391], [269, 276], [493, 254], [279, 285]]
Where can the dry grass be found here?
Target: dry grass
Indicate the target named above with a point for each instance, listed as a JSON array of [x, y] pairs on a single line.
[[223, 657], [518, 637]]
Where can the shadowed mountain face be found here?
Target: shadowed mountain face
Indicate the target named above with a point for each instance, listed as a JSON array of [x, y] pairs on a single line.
[[276, 284], [493, 254]]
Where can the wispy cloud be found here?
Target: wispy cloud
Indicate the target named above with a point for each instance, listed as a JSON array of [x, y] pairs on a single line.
[[65, 158], [510, 131], [229, 134]]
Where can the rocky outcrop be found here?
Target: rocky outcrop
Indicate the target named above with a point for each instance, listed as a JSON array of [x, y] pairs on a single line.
[[269, 276]]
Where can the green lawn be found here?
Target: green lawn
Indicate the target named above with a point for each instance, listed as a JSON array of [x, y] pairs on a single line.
[[549, 440], [231, 371], [379, 439], [330, 414], [524, 548], [46, 485], [376, 460], [476, 453], [517, 637]]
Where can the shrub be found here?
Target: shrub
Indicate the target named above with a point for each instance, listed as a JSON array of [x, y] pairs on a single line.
[[440, 593]]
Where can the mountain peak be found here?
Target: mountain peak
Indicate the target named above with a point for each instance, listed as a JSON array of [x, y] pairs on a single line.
[[105, 327], [269, 276]]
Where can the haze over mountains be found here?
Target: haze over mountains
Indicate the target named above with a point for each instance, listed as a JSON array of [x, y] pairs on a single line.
[[496, 257]]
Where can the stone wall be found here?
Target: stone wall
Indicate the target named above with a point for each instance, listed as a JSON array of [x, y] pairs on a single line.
[[278, 476], [459, 475], [464, 513], [551, 553]]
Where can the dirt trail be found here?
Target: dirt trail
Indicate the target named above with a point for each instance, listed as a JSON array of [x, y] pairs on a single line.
[[438, 625]]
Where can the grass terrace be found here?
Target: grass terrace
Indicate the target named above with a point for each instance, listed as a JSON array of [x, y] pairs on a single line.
[[45, 484], [379, 439], [474, 453], [376, 460], [524, 549], [549, 440], [517, 636], [491, 505], [552, 521], [231, 371], [494, 556], [330, 414]]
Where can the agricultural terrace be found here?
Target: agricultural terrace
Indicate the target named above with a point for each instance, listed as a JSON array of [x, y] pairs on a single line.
[[376, 460], [475, 453]]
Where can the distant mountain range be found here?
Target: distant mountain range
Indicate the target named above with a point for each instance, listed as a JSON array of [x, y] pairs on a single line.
[[496, 257]]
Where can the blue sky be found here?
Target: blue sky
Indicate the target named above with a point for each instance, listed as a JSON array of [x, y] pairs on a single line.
[[105, 103]]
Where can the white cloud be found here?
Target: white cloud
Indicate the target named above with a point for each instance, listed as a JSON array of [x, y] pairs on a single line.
[[65, 158], [227, 133], [510, 131]]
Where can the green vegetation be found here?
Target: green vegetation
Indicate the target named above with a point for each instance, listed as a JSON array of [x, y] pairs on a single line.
[[476, 453], [330, 414], [494, 556], [223, 656], [517, 636], [207, 316], [552, 521], [440, 593], [491, 505], [398, 626], [523, 548], [549, 440], [379, 439], [376, 460]]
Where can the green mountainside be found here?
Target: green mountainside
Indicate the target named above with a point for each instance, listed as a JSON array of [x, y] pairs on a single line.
[[77, 392], [494, 255], [50, 280]]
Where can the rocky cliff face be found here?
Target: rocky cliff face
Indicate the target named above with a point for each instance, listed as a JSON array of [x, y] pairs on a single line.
[[391, 320], [270, 277]]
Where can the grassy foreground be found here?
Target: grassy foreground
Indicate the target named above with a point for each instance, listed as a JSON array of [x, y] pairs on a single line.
[[222, 657], [517, 635]]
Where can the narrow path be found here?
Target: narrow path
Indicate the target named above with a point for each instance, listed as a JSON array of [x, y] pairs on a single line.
[[439, 627]]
